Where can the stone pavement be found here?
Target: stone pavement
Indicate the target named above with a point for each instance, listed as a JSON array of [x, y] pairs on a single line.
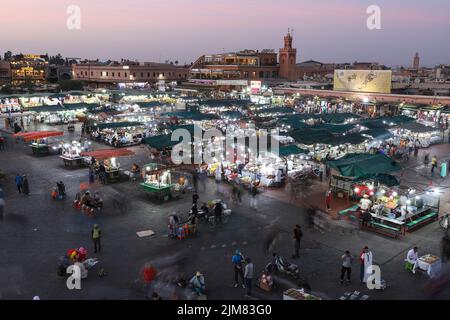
[[36, 230]]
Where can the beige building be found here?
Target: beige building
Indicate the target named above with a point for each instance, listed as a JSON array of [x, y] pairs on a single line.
[[111, 75]]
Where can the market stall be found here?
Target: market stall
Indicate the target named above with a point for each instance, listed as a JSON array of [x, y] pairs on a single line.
[[119, 134], [71, 155], [380, 205], [108, 158], [39, 140]]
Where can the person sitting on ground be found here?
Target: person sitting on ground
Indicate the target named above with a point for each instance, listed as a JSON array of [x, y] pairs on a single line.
[[198, 283], [86, 199]]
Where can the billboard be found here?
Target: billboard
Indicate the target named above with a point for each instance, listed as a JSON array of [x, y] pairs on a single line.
[[255, 87], [372, 81]]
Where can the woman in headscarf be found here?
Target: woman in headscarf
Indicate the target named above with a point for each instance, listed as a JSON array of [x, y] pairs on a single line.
[[26, 186]]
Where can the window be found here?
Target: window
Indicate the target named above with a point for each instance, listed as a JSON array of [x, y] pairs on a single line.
[[261, 74], [148, 74], [113, 74], [126, 75], [107, 74], [134, 74], [92, 74], [154, 74], [142, 74], [118, 74]]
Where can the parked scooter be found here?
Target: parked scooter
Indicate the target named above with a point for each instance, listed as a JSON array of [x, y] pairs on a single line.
[[279, 265]]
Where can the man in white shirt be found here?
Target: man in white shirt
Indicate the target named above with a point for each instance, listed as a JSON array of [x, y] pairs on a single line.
[[365, 203], [412, 257]]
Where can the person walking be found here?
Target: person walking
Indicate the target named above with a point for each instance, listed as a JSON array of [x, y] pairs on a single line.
[[195, 181], [328, 199], [253, 197], [19, 182], [91, 175], [2, 202], [434, 163], [416, 151], [96, 236], [248, 276], [26, 185], [238, 268], [347, 260], [297, 237]]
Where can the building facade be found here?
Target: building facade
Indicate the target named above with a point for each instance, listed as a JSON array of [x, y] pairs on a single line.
[[243, 65], [101, 75], [28, 67], [5, 72]]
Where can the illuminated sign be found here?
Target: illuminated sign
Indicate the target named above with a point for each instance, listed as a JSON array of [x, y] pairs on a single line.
[[372, 81], [255, 87]]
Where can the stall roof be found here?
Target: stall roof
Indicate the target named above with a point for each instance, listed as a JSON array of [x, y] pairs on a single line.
[[292, 149], [415, 126], [338, 117], [160, 142], [378, 133], [334, 128], [151, 104], [283, 110], [382, 178], [197, 116], [60, 108], [29, 136], [108, 153], [218, 103], [232, 115], [294, 123], [114, 125], [81, 105], [362, 164], [309, 137]]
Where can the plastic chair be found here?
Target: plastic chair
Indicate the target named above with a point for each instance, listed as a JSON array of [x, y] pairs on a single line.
[[409, 266]]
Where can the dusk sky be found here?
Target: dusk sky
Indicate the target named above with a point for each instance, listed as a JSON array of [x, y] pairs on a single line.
[[156, 30]]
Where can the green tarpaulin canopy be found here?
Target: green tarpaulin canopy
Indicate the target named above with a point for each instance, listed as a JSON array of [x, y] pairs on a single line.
[[362, 164], [334, 128], [285, 151], [378, 133], [338, 117], [160, 142], [152, 104], [218, 103], [114, 125], [417, 127], [293, 123], [310, 137], [232, 115], [59, 108], [382, 178], [282, 110], [197, 116]]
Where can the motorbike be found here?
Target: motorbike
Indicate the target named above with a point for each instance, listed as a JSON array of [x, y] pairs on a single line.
[[279, 265], [210, 218]]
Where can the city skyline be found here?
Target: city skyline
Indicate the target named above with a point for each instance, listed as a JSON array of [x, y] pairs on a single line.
[[185, 30]]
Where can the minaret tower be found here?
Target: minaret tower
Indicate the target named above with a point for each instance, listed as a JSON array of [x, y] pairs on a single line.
[[288, 59], [416, 61]]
